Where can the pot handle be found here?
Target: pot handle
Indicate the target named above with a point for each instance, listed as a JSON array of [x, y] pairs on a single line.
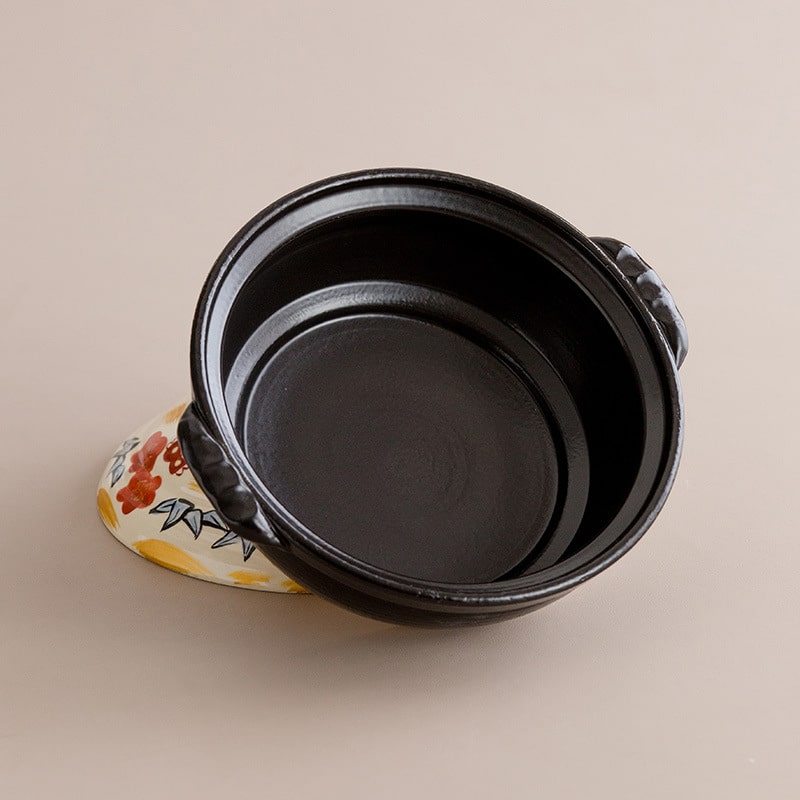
[[221, 481], [652, 290]]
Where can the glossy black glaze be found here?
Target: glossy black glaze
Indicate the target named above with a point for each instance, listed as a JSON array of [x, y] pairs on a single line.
[[431, 400], [653, 291]]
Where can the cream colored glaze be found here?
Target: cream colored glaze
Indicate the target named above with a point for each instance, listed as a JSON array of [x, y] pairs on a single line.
[[135, 501]]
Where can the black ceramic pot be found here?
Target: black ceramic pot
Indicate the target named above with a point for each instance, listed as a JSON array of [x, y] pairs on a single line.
[[431, 400]]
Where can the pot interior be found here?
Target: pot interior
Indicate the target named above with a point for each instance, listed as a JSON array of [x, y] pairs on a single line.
[[432, 396]]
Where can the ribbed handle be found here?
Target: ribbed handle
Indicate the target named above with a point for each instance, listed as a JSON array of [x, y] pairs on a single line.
[[652, 290], [221, 481]]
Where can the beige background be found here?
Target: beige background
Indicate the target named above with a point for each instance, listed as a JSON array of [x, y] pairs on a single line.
[[136, 139]]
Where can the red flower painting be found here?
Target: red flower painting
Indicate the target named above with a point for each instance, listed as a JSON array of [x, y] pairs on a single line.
[[140, 491], [145, 458], [174, 458]]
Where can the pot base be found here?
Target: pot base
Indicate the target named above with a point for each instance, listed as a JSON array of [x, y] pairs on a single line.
[[150, 501], [381, 422]]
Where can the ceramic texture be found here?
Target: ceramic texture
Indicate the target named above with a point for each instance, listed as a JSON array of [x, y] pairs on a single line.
[[149, 500], [354, 413]]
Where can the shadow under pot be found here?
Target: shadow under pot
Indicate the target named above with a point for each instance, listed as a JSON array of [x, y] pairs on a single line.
[[431, 400]]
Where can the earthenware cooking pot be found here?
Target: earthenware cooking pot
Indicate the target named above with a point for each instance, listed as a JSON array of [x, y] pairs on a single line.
[[431, 400]]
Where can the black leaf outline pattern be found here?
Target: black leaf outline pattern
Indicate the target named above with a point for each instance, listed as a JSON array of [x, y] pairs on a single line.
[[118, 464], [179, 509]]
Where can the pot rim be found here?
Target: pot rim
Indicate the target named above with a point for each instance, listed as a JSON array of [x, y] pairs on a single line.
[[536, 587]]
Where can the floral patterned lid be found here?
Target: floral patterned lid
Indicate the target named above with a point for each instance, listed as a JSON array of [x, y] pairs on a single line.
[[150, 501]]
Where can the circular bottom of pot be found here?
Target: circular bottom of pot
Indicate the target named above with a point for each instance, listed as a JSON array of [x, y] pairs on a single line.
[[413, 432]]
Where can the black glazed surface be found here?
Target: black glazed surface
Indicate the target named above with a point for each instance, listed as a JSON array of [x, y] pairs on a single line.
[[442, 404], [405, 445]]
